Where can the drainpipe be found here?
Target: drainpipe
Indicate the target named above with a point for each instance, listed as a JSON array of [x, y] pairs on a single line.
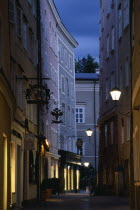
[[38, 106], [95, 125]]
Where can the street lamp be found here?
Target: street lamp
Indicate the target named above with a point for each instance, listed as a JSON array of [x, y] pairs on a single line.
[[115, 94], [86, 164], [89, 132]]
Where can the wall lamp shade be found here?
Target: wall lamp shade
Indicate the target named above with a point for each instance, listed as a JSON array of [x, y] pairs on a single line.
[[89, 132], [115, 94], [86, 164]]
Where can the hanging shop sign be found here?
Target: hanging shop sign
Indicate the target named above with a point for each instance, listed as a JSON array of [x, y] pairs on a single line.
[[29, 143]]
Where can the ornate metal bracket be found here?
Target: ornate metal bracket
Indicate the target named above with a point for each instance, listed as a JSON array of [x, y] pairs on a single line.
[[57, 113]]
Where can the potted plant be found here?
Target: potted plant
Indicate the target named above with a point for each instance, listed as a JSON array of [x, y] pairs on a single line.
[[46, 189]]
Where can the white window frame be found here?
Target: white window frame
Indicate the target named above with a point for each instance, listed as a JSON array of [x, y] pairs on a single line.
[[70, 63], [64, 113], [78, 119], [62, 84]]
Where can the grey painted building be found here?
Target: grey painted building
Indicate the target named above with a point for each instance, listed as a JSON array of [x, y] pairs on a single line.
[[114, 119], [87, 113]]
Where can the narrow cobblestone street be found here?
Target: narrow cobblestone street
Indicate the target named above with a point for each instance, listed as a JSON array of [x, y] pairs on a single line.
[[82, 201]]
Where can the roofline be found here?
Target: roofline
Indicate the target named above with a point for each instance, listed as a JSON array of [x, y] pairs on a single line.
[[61, 25]]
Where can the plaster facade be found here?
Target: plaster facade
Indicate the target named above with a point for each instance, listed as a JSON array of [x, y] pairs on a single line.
[[114, 118], [87, 97]]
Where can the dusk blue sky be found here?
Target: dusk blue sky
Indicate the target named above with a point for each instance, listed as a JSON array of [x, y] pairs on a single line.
[[81, 18]]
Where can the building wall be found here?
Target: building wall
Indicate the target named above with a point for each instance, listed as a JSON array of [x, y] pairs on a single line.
[[85, 98], [136, 102], [7, 109], [23, 64], [67, 94], [115, 71], [50, 70]]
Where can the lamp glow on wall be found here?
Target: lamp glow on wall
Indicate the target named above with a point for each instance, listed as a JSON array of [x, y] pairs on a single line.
[[115, 94]]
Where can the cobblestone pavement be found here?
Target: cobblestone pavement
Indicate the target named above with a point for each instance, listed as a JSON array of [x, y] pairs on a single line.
[[81, 201]]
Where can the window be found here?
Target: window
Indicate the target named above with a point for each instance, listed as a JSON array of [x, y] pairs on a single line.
[[112, 82], [25, 35], [107, 89], [121, 78], [111, 132], [12, 11], [126, 13], [19, 93], [108, 4], [73, 118], [70, 63], [80, 114], [62, 84], [120, 21], [34, 8], [107, 46], [19, 22], [105, 135], [128, 128], [63, 110], [103, 19], [113, 38], [67, 86], [122, 130], [72, 90], [126, 72], [68, 116], [60, 52]]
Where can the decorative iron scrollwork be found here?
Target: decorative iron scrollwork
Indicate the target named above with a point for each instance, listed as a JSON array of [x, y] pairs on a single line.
[[37, 94], [57, 113]]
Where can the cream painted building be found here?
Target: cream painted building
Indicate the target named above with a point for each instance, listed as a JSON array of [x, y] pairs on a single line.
[[23, 65]]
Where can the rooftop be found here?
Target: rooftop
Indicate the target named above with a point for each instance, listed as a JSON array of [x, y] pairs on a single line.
[[87, 76]]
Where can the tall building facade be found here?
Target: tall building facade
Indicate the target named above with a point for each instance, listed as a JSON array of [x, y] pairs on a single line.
[[69, 161], [23, 65], [114, 117], [49, 40], [7, 109], [87, 114]]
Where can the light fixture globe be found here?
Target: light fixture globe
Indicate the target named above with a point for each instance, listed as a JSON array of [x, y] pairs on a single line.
[[89, 132], [115, 94]]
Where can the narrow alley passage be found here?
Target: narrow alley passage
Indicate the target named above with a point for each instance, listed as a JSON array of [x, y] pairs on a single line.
[[81, 201]]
